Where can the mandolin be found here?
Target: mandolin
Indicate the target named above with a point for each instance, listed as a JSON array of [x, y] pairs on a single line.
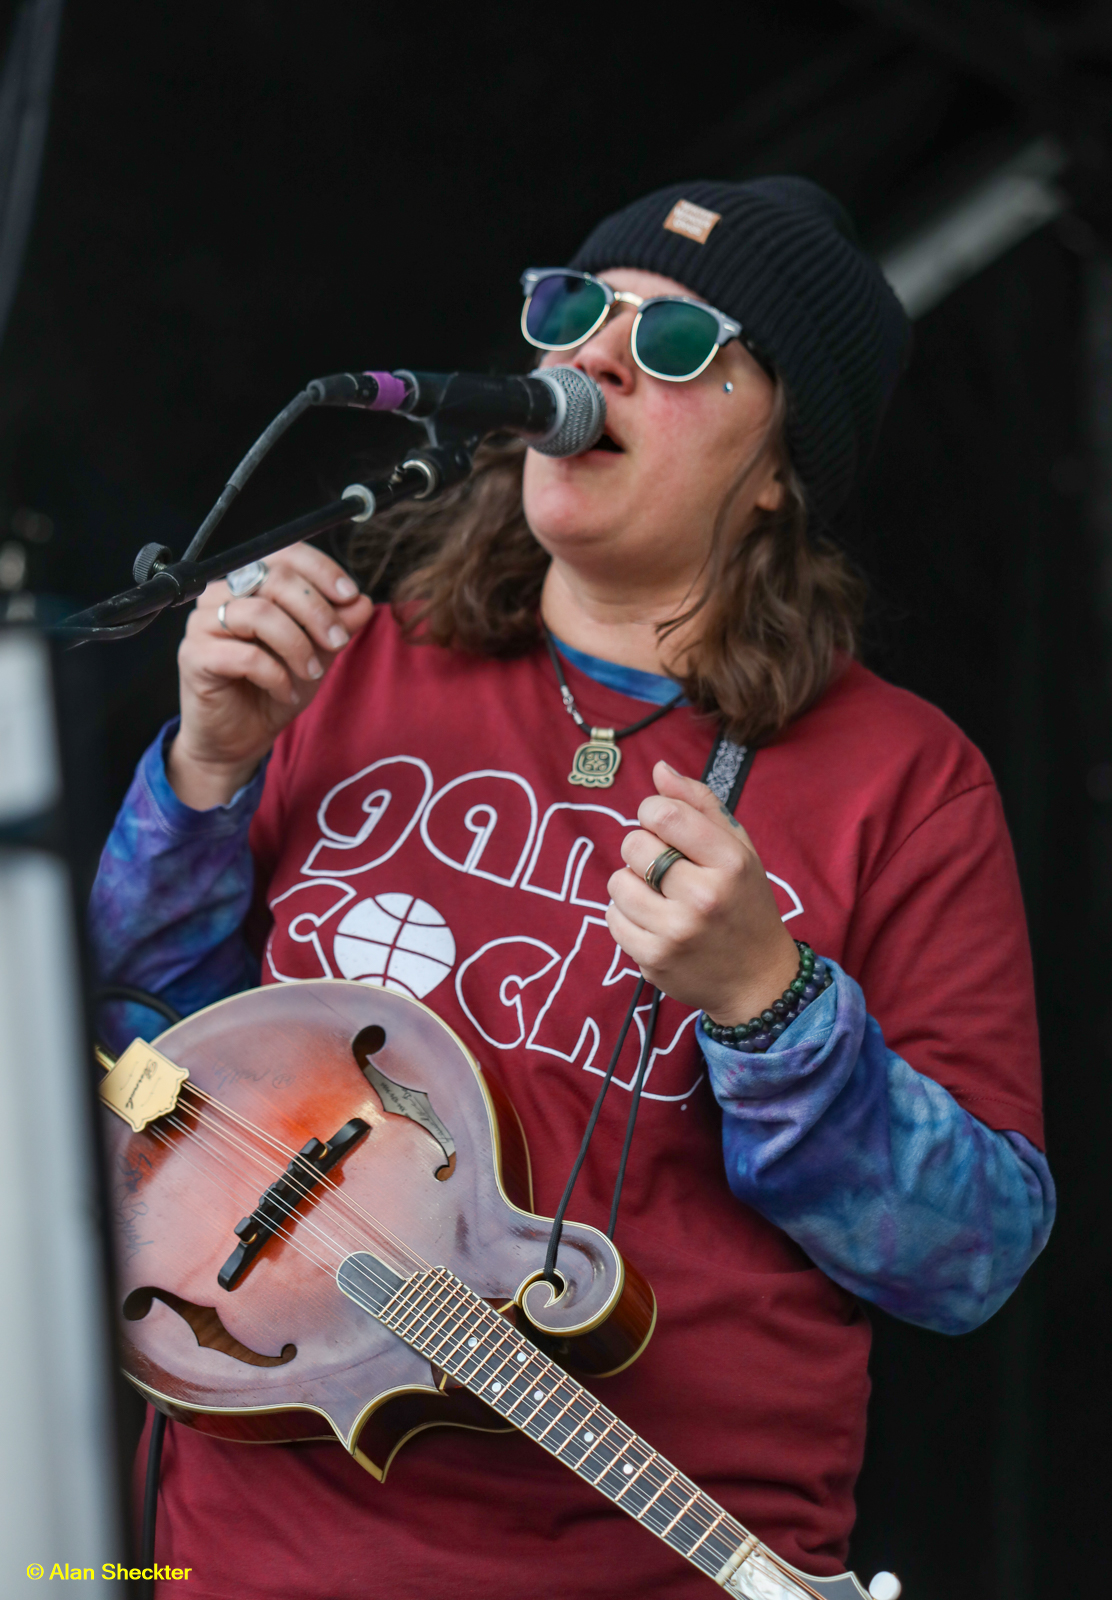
[[323, 1224]]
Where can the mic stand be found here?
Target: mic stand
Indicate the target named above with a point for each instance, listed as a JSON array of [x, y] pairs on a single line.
[[166, 583]]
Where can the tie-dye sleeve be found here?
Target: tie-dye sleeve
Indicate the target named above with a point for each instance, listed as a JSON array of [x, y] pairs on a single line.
[[890, 1186], [170, 898]]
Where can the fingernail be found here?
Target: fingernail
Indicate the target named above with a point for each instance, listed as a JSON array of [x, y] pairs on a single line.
[[337, 636], [346, 589], [669, 768], [314, 668]]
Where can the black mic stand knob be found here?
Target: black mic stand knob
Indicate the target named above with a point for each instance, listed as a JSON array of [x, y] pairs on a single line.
[[150, 560]]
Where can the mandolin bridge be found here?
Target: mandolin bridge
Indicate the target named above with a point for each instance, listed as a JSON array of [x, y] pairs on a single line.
[[281, 1200]]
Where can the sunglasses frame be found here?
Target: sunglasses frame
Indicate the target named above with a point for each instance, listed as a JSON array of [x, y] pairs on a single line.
[[727, 327]]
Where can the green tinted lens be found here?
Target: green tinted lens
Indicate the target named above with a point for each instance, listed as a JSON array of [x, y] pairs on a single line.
[[674, 338], [564, 310]]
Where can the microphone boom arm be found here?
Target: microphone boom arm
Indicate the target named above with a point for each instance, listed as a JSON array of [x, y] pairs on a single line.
[[559, 411], [420, 476]]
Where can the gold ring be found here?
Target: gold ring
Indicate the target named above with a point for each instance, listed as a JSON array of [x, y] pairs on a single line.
[[654, 872]]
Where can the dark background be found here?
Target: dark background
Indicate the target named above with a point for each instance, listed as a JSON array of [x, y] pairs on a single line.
[[236, 198]]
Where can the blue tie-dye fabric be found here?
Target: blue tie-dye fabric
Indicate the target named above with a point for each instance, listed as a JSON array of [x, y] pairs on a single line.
[[875, 1170], [170, 898], [888, 1184]]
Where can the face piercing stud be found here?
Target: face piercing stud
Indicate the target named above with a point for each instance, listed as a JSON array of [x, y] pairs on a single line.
[[727, 388]]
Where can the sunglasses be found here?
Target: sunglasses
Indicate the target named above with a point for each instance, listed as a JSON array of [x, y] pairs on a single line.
[[672, 337]]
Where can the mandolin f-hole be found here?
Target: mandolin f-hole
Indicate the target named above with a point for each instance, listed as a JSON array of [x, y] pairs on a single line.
[[368, 1042], [208, 1330], [401, 1101]]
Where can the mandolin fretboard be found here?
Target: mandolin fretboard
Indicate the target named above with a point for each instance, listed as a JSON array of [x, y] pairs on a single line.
[[439, 1316]]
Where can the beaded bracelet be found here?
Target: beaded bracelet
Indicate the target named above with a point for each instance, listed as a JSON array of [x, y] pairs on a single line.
[[759, 1033]]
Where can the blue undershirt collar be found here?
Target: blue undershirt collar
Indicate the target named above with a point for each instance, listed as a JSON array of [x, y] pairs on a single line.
[[651, 686]]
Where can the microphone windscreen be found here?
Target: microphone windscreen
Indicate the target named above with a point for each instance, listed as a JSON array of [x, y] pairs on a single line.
[[580, 415]]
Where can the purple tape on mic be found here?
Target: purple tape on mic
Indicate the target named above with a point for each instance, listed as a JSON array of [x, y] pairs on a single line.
[[391, 391]]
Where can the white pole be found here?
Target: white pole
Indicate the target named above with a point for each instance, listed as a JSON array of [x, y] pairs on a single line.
[[58, 1465]]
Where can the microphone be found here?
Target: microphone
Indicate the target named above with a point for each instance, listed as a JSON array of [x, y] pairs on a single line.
[[559, 410]]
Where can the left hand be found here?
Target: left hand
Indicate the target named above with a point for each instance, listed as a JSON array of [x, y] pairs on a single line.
[[714, 938]]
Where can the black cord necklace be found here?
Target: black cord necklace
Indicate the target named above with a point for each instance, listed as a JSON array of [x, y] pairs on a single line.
[[596, 763]]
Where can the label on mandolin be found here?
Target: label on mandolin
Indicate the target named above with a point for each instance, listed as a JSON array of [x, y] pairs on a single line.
[[142, 1085]]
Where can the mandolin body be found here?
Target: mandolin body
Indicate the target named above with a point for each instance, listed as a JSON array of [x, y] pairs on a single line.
[[282, 1354]]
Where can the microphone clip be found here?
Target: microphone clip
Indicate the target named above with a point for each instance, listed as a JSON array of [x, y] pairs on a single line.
[[441, 465]]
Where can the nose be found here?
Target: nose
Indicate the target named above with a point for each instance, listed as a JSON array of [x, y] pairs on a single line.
[[606, 356]]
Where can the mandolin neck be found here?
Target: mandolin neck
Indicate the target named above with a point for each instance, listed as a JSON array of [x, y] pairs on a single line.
[[440, 1317]]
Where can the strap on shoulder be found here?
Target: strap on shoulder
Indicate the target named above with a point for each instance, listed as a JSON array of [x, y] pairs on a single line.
[[728, 766]]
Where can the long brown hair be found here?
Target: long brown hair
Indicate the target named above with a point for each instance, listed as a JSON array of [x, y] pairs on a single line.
[[778, 605]]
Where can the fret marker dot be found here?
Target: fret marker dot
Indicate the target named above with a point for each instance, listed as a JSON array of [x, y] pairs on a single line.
[[496, 1386], [472, 1342], [538, 1394], [627, 1469], [522, 1355], [588, 1437]]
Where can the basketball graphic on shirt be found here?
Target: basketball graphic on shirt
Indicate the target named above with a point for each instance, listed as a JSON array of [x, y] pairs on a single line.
[[396, 942]]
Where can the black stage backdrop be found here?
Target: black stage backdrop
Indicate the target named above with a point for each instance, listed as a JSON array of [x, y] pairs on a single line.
[[237, 198]]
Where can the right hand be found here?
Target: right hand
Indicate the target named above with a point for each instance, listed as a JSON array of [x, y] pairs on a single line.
[[241, 684]]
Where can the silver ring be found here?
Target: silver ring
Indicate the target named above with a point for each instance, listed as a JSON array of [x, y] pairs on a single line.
[[220, 610], [654, 872], [247, 580]]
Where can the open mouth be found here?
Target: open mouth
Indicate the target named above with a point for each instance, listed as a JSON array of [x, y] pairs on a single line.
[[607, 443]]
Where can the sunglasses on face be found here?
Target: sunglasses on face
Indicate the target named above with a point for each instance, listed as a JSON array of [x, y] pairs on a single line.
[[672, 337]]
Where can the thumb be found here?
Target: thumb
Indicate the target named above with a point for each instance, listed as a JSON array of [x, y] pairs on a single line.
[[678, 787], [674, 786]]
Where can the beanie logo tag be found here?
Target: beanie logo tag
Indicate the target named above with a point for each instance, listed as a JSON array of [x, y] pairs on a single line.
[[692, 221]]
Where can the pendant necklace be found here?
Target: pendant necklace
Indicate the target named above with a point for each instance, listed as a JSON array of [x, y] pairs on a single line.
[[597, 761]]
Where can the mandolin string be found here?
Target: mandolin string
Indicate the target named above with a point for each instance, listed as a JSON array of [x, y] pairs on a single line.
[[307, 1254], [289, 1210], [463, 1305], [280, 1231], [325, 1181], [303, 1190], [211, 1176], [669, 1497], [321, 1180], [286, 1208], [330, 1200], [171, 1144]]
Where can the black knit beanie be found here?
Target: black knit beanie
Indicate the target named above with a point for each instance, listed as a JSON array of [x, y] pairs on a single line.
[[780, 255]]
